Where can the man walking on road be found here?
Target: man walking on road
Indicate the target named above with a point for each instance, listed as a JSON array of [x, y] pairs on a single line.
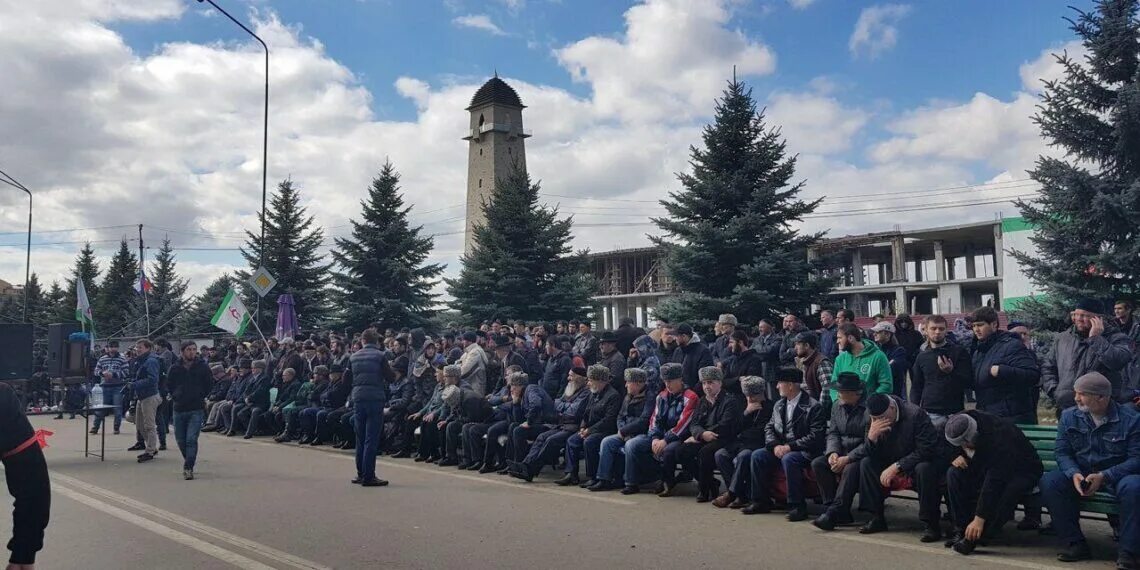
[[190, 382], [145, 387], [370, 375]]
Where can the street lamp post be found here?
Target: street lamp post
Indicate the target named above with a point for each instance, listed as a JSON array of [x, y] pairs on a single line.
[[264, 139], [28, 260]]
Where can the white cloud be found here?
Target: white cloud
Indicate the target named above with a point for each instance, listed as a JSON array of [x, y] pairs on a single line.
[[815, 123], [800, 4], [876, 30], [479, 22], [1045, 67]]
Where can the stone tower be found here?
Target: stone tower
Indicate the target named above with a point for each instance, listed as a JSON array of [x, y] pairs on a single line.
[[495, 145]]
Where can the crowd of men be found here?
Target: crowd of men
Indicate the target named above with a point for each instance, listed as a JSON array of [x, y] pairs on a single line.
[[771, 418]]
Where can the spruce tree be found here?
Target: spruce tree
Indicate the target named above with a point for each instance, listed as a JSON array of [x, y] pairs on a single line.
[[1087, 236], [731, 240], [200, 310], [54, 302], [383, 276], [116, 293], [86, 267], [291, 242], [522, 265], [167, 295]]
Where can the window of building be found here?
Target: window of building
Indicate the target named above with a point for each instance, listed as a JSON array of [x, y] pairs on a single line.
[[984, 265], [481, 120]]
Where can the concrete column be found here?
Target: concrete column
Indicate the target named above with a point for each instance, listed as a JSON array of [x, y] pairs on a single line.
[[898, 259], [939, 262], [616, 316], [999, 254], [971, 263], [857, 266], [900, 300]]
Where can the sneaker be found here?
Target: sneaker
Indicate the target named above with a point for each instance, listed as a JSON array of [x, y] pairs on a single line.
[[188, 474], [137, 447], [145, 457]]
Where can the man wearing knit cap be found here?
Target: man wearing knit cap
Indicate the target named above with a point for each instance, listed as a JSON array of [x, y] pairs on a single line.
[[1092, 344], [734, 459], [632, 421], [672, 413], [837, 470], [793, 437], [598, 421], [995, 467], [714, 426], [901, 440], [570, 409], [1097, 449]]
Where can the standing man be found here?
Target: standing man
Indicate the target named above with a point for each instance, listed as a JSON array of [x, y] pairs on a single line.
[[473, 363], [613, 359], [941, 374], [27, 475], [897, 358], [370, 374], [792, 328], [1128, 325], [112, 370], [1092, 344], [586, 344], [827, 340], [692, 355], [1005, 373], [725, 324], [863, 357], [145, 388], [190, 382]]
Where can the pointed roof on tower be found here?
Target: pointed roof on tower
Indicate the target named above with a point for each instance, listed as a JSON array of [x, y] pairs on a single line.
[[496, 92]]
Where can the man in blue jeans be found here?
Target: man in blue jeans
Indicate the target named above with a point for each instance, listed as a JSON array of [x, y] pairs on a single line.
[[112, 371], [190, 381], [370, 376], [669, 422], [1097, 449]]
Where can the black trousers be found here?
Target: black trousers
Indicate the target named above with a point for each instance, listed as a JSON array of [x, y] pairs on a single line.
[[474, 448], [250, 417], [453, 432], [965, 485], [496, 452], [927, 476], [697, 457], [429, 439], [836, 490], [521, 438]]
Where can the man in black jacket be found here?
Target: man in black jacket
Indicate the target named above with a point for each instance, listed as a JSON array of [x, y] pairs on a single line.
[[901, 440], [632, 421], [793, 437], [370, 376], [612, 358], [714, 426], [837, 470], [994, 468], [941, 374], [190, 382], [255, 392], [466, 407], [733, 460], [1005, 372], [599, 421], [692, 356], [27, 475], [742, 360], [627, 332]]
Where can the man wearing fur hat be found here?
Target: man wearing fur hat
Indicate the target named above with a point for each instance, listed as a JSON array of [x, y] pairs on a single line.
[[672, 413], [473, 364], [725, 325], [530, 412], [632, 421], [465, 407], [994, 467], [1097, 449], [570, 409], [733, 460], [714, 426], [1092, 344], [599, 421]]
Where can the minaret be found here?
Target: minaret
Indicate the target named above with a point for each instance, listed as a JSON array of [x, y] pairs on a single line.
[[495, 145]]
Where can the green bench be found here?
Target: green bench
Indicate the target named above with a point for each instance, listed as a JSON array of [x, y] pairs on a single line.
[[1044, 439]]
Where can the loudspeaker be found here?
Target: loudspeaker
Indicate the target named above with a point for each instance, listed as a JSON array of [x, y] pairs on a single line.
[[59, 353], [16, 354]]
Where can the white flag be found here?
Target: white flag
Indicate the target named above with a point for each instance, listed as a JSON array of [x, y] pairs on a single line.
[[232, 316], [83, 306]]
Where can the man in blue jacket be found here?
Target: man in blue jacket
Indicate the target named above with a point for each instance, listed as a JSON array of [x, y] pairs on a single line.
[[557, 369], [370, 375], [632, 421], [145, 388], [672, 412]]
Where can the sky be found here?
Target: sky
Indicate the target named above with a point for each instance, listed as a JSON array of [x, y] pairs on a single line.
[[124, 112]]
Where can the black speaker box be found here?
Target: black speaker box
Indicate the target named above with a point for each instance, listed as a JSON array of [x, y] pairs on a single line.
[[16, 354], [59, 353]]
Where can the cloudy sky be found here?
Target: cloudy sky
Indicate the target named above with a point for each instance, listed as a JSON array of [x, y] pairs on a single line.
[[121, 112]]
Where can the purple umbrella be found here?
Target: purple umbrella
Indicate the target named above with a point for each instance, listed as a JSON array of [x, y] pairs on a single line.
[[286, 317]]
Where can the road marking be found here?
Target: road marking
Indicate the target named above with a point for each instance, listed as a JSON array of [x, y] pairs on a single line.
[[198, 544], [512, 483], [255, 547], [943, 551]]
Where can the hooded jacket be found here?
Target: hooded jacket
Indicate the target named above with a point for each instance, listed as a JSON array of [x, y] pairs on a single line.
[[1075, 354], [871, 366], [649, 362], [555, 375], [908, 337], [1011, 393], [692, 357], [626, 334]]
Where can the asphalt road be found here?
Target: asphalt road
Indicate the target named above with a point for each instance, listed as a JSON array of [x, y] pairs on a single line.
[[258, 504]]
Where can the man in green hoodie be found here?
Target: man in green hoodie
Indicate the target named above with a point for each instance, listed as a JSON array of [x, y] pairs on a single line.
[[863, 357]]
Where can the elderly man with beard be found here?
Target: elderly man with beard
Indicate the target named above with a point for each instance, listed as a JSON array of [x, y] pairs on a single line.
[[530, 412], [571, 408], [714, 427], [599, 421], [632, 421]]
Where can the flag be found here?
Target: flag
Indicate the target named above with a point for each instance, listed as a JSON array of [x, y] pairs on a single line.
[[232, 316], [83, 307], [142, 284]]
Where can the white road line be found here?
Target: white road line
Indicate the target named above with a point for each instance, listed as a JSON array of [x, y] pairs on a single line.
[[514, 484], [180, 537], [255, 547], [942, 551]]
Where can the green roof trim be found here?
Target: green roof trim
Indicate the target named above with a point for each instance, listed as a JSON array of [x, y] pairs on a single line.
[[1015, 225]]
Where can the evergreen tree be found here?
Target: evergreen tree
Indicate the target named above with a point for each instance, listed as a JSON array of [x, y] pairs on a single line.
[[522, 265], [116, 293], [200, 310], [1086, 214], [167, 295], [86, 267], [54, 303], [731, 244], [384, 278], [291, 242]]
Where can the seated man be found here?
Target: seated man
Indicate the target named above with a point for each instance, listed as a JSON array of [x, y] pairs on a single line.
[[901, 440], [476, 435], [307, 393], [793, 438], [428, 416], [599, 421], [220, 413], [734, 460], [996, 467], [286, 392], [531, 408], [632, 421], [255, 398], [222, 382], [714, 426], [837, 470], [1098, 449], [570, 408], [401, 394], [331, 398], [466, 407], [672, 412]]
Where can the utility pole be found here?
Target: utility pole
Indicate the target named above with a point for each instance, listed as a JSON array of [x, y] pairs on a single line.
[[142, 280]]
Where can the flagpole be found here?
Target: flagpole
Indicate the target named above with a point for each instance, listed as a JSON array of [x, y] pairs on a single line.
[[142, 280], [262, 335]]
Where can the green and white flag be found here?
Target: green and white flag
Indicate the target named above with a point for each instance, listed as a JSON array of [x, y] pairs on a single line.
[[232, 316], [83, 308]]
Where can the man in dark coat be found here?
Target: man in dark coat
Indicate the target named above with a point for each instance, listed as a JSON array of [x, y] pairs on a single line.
[[901, 440], [570, 409], [692, 356], [714, 427], [26, 472], [612, 358], [994, 467], [907, 336], [897, 357], [190, 382], [767, 344], [793, 438], [466, 407], [1005, 372], [370, 376], [599, 421], [837, 470], [734, 460], [941, 374], [725, 324], [627, 332], [742, 360], [632, 421], [1092, 344], [558, 365], [254, 403]]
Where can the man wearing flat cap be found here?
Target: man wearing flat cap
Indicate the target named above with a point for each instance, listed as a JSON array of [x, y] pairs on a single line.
[[672, 413], [734, 459], [837, 470], [570, 409], [792, 439], [599, 421], [714, 426], [473, 364], [995, 467], [1092, 344], [1097, 449]]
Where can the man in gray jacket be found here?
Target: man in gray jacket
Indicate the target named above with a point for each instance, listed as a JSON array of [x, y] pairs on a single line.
[[1092, 344]]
